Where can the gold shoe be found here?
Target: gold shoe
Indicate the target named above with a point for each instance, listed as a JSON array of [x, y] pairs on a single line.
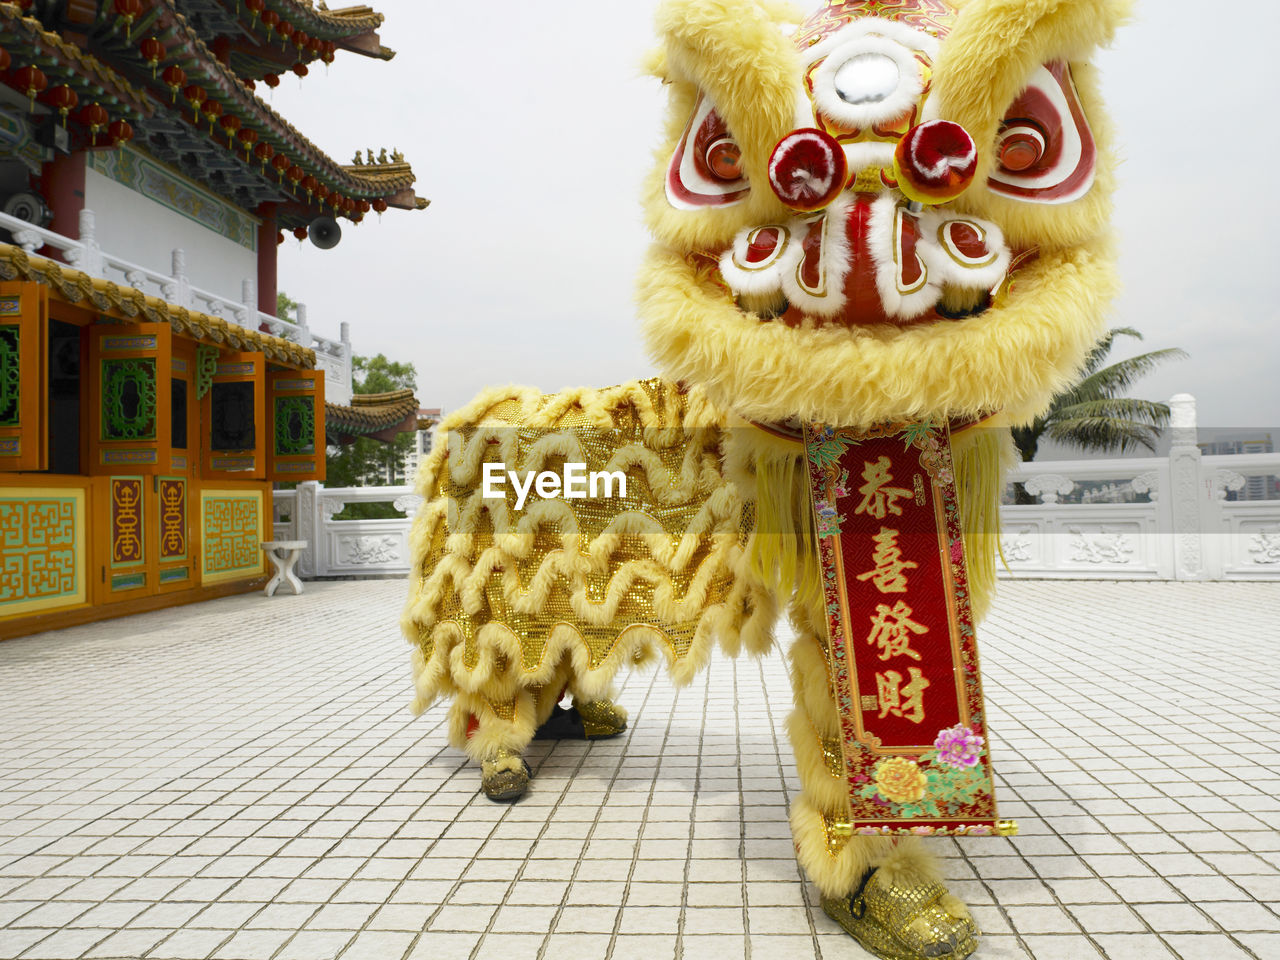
[[506, 777], [601, 718], [905, 922]]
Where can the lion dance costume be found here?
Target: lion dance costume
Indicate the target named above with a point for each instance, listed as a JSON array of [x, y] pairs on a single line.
[[881, 238]]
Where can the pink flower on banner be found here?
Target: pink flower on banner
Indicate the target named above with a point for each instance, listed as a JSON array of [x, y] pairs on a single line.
[[958, 747]]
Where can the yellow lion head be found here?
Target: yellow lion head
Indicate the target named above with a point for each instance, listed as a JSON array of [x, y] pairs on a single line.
[[892, 210]]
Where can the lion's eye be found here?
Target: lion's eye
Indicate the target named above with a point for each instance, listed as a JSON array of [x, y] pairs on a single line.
[[867, 78], [724, 159], [1022, 146]]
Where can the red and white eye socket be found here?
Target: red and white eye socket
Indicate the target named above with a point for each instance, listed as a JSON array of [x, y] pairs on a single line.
[[1022, 146], [724, 159], [706, 169], [1046, 152]]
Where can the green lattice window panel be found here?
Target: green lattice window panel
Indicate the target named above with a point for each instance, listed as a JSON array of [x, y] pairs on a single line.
[[10, 376], [129, 399], [295, 426]]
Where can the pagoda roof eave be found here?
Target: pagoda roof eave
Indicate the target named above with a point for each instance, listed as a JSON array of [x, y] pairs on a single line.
[[26, 39], [129, 304], [257, 49], [379, 416], [186, 49]]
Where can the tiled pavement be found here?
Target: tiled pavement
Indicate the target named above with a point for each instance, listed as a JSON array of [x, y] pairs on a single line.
[[241, 780]]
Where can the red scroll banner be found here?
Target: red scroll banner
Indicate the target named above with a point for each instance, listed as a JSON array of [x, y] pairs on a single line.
[[902, 650]]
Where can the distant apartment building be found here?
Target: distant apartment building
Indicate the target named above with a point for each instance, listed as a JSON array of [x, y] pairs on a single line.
[[428, 418], [1255, 488]]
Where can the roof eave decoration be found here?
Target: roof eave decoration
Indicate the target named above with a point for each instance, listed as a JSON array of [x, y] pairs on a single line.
[[351, 28], [184, 48], [379, 416], [305, 183], [131, 304], [64, 64]]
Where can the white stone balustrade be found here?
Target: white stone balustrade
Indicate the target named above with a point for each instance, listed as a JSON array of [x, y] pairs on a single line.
[[332, 356], [1147, 518], [341, 548]]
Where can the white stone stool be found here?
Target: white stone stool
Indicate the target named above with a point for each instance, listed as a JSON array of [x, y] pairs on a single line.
[[284, 555]]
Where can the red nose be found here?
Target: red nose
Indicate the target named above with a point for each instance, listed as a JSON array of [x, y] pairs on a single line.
[[807, 169], [935, 162]]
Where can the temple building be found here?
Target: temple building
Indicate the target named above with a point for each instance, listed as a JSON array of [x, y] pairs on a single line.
[[149, 394]]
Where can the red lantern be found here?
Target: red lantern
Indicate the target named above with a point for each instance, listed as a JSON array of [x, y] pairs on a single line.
[[280, 164], [363, 206], [327, 51], [380, 206], [300, 232], [299, 68], [321, 193], [174, 77], [230, 123], [195, 96], [247, 138], [300, 40], [153, 50], [269, 20], [248, 82], [264, 152], [309, 184], [30, 80], [295, 175], [213, 110], [120, 132], [63, 99], [348, 205], [95, 117], [128, 11], [272, 80], [279, 237], [314, 46], [5, 60], [285, 29], [255, 8]]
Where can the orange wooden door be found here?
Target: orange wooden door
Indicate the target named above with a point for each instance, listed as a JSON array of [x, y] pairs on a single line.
[[129, 392], [233, 422], [124, 554], [295, 450], [24, 361]]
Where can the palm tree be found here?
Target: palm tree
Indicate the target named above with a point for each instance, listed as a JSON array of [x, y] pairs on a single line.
[[1093, 415]]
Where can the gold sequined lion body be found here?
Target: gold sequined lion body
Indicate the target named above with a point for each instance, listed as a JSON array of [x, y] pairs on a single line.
[[519, 602]]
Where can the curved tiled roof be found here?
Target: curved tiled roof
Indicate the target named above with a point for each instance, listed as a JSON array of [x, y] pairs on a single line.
[[377, 415], [118, 75], [129, 303], [28, 42]]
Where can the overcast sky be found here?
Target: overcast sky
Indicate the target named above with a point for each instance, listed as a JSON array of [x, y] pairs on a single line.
[[530, 128]]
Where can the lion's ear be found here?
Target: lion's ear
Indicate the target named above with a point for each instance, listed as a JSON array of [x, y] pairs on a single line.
[[733, 77], [998, 46], [1014, 73]]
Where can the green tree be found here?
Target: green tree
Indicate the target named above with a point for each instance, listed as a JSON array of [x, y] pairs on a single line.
[[1094, 415], [285, 305], [368, 462]]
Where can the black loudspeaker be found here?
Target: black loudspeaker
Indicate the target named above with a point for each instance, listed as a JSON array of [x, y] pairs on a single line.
[[29, 207], [324, 232]]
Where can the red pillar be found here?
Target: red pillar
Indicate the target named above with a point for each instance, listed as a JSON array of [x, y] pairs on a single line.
[[267, 258], [62, 184]]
